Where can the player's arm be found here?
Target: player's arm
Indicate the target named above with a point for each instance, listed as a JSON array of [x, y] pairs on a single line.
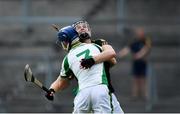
[[64, 78], [102, 42], [125, 51], [111, 61], [62, 81], [60, 84], [107, 54], [145, 50]]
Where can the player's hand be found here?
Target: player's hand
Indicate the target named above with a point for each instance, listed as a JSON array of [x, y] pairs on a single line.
[[50, 95], [87, 63]]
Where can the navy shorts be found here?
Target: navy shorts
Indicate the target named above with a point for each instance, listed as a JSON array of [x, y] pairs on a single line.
[[139, 68]]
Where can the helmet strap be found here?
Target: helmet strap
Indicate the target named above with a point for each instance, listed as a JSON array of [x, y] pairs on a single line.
[[83, 37]]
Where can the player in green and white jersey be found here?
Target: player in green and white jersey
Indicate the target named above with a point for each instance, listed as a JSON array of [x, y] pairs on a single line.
[[93, 95]]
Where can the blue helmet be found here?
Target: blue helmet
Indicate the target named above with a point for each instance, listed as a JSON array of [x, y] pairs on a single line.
[[66, 35]]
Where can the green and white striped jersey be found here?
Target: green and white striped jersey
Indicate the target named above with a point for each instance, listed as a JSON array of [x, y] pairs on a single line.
[[86, 77]]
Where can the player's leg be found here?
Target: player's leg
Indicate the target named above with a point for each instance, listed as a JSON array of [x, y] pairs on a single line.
[[116, 105], [135, 88], [136, 82], [101, 99], [143, 87], [142, 79], [82, 101]]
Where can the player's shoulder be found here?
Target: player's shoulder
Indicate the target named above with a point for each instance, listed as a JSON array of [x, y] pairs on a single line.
[[65, 57], [92, 45], [99, 42]]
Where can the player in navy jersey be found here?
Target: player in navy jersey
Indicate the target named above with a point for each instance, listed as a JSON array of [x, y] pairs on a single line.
[[139, 48]]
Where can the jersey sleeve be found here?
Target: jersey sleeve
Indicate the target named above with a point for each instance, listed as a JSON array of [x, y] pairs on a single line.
[[65, 72]]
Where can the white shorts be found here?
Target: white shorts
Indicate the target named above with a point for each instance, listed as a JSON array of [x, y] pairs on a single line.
[[95, 99], [116, 105]]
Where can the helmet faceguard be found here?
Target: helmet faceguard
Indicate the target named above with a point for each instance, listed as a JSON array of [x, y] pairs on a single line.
[[83, 29], [66, 37]]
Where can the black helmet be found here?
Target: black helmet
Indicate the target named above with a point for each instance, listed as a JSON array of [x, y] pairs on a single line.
[[85, 35]]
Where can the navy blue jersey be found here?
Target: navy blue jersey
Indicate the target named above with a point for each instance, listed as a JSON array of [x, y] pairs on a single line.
[[137, 46], [139, 66]]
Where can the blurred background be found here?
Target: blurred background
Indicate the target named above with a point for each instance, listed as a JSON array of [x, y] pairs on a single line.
[[26, 36]]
